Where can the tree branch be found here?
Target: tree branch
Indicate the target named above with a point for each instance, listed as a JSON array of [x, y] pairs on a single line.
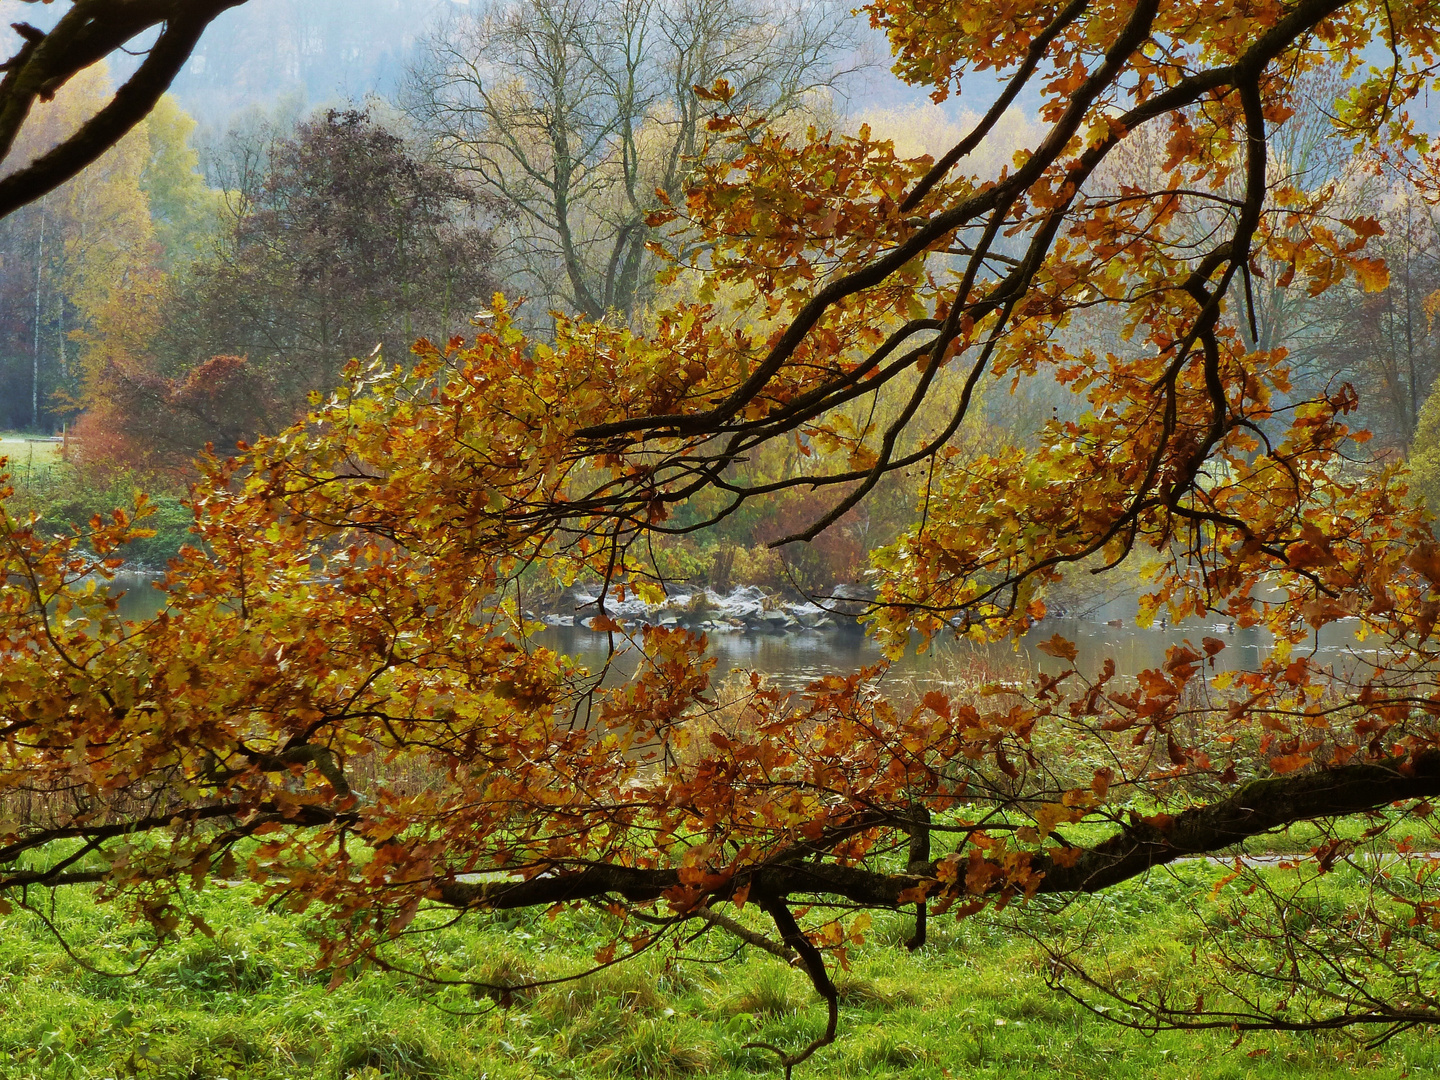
[[1259, 807], [90, 31]]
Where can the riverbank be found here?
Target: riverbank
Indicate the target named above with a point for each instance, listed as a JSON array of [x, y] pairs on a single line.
[[743, 609]]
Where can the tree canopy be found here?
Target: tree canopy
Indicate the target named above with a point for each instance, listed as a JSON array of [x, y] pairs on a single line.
[[345, 243], [340, 700]]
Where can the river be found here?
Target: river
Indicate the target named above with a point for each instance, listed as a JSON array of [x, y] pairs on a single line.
[[794, 659]]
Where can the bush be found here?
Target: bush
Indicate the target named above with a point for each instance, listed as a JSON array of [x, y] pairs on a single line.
[[66, 496]]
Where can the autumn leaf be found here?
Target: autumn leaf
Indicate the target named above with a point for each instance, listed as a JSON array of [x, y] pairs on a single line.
[[937, 703], [1287, 763], [1101, 784], [1425, 560], [1174, 751], [1373, 275], [1060, 647]]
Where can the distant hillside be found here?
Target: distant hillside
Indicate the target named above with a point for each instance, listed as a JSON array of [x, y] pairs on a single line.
[[332, 49], [329, 49]]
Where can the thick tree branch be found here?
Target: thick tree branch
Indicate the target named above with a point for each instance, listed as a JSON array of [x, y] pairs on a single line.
[[1259, 807], [90, 31]]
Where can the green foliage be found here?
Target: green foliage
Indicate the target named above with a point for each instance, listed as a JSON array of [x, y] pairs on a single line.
[[248, 1003], [66, 496], [1425, 453]]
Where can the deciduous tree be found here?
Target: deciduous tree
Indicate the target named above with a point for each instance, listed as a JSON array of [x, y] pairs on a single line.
[[576, 113], [356, 609], [344, 245]]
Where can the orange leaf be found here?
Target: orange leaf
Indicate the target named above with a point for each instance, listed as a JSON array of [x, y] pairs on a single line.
[[1372, 274], [1101, 784], [1059, 646], [937, 703], [1287, 763]]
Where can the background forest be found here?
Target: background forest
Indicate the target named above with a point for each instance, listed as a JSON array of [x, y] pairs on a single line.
[[202, 281]]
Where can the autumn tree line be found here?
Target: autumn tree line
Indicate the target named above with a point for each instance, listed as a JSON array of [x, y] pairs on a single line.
[[196, 287]]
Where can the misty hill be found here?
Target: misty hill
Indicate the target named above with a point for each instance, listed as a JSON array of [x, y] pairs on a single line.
[[330, 50]]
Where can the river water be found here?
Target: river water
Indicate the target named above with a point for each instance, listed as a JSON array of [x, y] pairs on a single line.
[[793, 660]]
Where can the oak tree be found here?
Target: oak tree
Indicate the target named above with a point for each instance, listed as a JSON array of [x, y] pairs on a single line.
[[340, 701]]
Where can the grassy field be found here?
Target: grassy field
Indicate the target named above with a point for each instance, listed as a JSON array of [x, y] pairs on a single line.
[[248, 1004], [26, 453]]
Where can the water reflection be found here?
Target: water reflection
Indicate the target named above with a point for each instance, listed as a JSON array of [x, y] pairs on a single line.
[[793, 660], [139, 598]]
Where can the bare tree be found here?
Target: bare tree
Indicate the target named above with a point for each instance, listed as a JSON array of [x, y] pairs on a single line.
[[574, 112], [1387, 343], [90, 31]]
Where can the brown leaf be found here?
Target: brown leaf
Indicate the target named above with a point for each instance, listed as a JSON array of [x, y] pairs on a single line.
[[1059, 646], [1425, 560], [1174, 750], [1004, 763]]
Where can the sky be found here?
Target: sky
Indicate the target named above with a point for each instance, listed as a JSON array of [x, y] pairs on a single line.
[[337, 51]]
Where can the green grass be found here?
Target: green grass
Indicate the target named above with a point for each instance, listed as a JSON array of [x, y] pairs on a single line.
[[249, 1004], [27, 456]]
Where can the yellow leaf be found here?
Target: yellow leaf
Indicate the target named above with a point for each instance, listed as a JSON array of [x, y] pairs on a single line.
[[1372, 274]]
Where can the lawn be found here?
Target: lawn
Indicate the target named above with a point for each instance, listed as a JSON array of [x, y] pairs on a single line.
[[27, 453], [973, 1003]]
